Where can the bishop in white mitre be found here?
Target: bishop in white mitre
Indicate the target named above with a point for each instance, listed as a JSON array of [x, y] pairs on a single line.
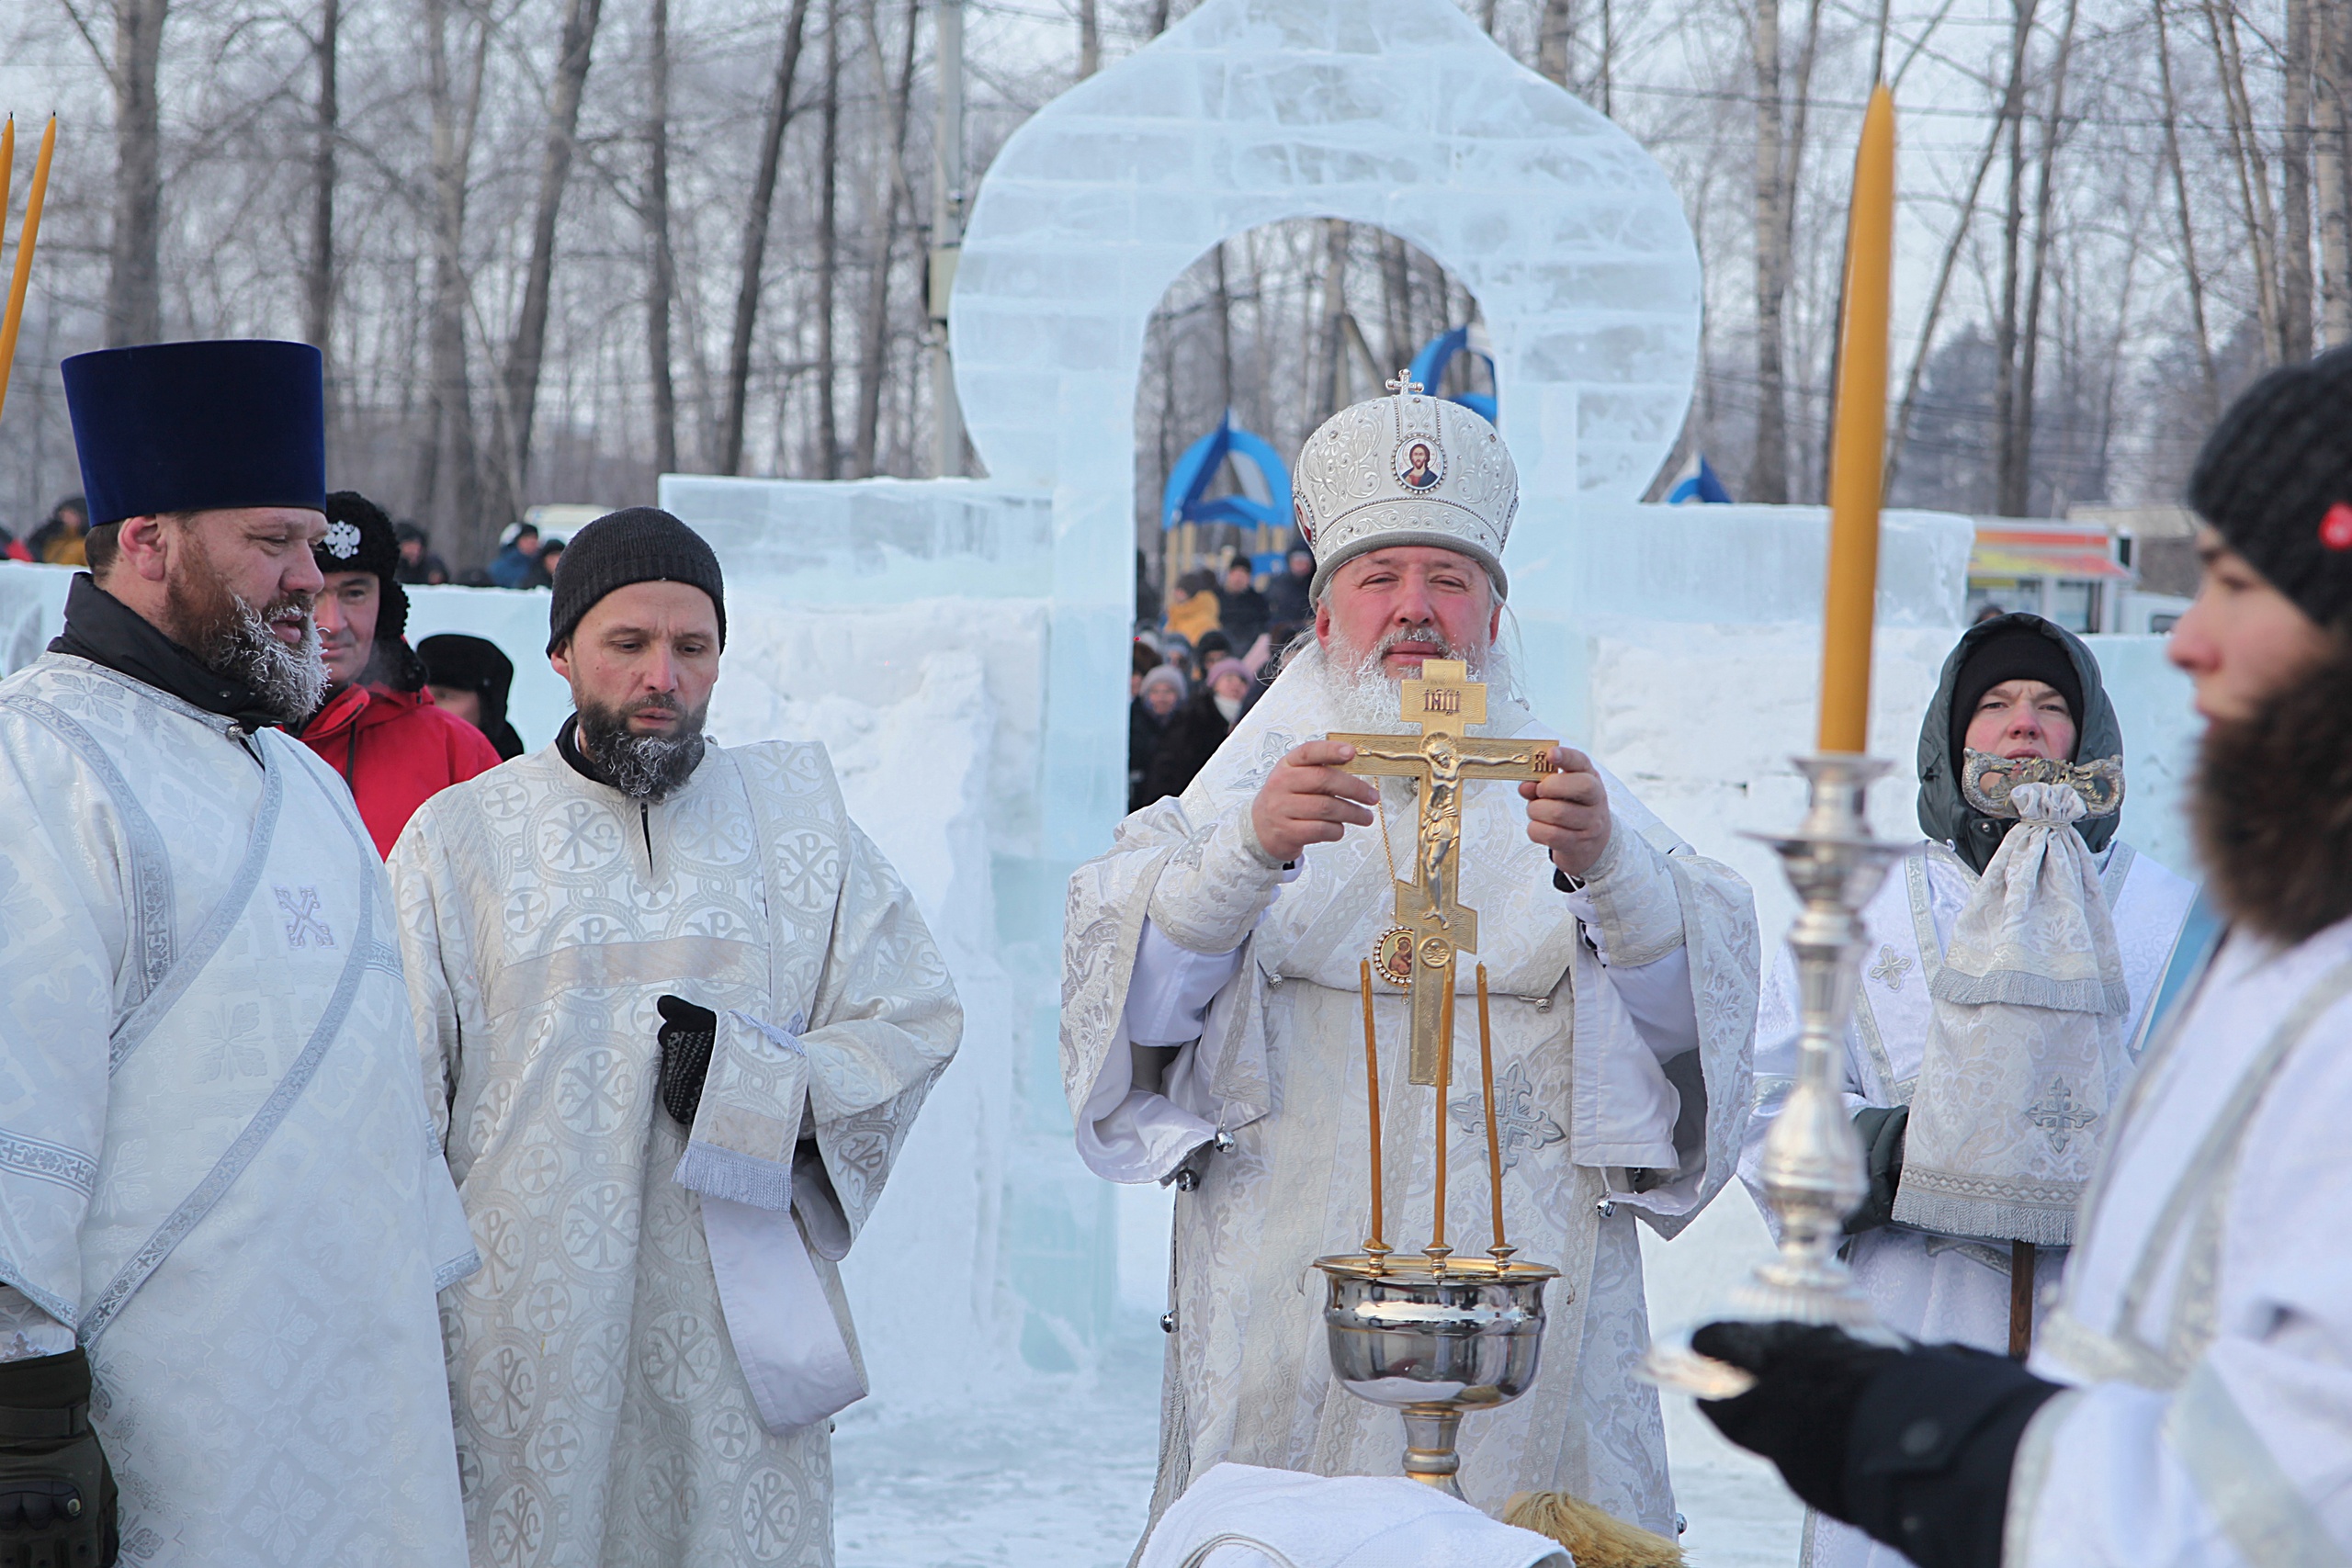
[[2188, 1401], [1936, 1246], [679, 1015], [223, 1216], [1211, 1033]]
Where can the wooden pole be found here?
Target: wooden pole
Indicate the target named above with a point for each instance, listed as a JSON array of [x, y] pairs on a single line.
[[25, 238], [1858, 461], [2021, 1259], [1501, 1249], [1375, 1248]]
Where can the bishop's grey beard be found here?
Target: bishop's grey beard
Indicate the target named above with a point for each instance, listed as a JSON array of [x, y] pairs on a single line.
[[642, 767], [232, 638], [1362, 694]]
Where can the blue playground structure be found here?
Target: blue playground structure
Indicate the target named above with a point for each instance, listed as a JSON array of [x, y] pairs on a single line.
[[1438, 353], [1185, 507]]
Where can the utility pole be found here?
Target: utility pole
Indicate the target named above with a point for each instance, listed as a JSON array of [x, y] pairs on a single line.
[[946, 240]]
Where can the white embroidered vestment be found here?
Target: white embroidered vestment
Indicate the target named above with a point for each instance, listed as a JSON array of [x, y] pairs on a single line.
[[605, 1416]]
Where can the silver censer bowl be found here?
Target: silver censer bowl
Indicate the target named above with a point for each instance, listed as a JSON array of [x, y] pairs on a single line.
[[1433, 1338]]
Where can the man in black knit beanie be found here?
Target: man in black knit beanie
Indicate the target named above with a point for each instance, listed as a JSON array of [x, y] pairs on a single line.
[[669, 984]]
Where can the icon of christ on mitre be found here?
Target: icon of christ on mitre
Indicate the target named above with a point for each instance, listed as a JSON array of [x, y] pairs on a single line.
[[1391, 798]]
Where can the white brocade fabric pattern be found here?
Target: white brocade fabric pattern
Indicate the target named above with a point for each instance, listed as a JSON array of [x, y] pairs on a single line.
[[603, 1417], [2204, 1318], [1935, 1289], [1280, 1063], [215, 1160], [2025, 1054]]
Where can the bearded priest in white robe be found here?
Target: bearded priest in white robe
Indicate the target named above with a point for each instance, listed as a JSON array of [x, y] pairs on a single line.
[[1212, 1032], [224, 1214], [680, 1015], [2189, 1401], [2016, 690]]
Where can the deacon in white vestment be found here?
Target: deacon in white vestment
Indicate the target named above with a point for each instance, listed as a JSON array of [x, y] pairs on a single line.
[[1211, 1033], [2019, 688], [2189, 1401], [680, 1015], [224, 1214]]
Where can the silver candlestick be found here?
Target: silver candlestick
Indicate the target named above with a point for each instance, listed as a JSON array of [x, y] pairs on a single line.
[[1812, 1166]]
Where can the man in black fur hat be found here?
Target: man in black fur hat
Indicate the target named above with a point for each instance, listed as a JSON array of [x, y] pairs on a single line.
[[378, 727], [2189, 1402]]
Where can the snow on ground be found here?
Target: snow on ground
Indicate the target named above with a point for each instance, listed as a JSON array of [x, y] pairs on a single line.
[[1055, 1472]]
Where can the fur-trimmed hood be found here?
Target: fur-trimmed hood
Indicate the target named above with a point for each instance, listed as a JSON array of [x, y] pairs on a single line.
[[1944, 815]]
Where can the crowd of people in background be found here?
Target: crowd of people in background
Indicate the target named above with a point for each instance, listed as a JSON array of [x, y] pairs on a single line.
[[1205, 664], [524, 558]]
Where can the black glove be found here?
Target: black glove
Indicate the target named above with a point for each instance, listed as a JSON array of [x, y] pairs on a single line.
[[56, 1496], [1808, 1381], [685, 1037], [1881, 1129], [1913, 1447]]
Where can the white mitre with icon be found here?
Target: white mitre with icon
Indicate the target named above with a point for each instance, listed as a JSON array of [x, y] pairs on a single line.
[[1407, 469]]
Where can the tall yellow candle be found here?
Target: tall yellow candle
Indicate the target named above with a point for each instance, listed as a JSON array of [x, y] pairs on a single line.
[[7, 169], [1437, 1248], [25, 237], [1857, 464], [1501, 1249], [1375, 1248]]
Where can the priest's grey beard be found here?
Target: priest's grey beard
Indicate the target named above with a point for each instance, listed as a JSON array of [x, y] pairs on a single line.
[[232, 638], [642, 767], [1363, 696]]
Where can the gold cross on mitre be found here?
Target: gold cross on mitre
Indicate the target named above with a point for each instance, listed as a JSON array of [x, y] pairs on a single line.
[[1432, 923]]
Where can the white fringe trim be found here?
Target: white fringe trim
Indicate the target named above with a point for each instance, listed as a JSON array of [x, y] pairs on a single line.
[[739, 1178]]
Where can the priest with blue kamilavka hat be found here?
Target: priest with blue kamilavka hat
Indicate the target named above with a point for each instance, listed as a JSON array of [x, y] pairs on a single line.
[[223, 1215]]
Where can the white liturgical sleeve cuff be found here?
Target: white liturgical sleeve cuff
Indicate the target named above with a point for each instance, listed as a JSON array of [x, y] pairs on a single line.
[[1135, 1135]]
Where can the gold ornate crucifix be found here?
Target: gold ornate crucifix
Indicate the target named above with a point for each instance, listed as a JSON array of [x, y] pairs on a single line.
[[1432, 923]]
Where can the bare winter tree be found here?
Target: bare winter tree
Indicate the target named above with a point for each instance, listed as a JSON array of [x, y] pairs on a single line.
[[518, 405]]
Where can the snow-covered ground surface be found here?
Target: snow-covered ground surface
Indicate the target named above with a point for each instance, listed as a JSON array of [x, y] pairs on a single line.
[[1056, 1472]]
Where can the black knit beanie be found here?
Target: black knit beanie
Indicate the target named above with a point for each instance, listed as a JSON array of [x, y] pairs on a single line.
[[640, 544], [2275, 479], [2017, 649]]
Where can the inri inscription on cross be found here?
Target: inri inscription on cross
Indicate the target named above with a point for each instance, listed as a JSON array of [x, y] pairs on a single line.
[[1432, 923]]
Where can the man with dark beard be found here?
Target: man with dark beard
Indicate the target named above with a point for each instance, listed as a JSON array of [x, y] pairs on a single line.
[[2189, 1402], [678, 1014], [225, 1218]]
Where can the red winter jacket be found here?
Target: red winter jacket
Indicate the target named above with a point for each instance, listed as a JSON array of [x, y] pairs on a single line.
[[396, 750]]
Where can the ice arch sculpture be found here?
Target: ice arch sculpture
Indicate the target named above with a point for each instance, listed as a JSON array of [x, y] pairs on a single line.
[[1400, 114]]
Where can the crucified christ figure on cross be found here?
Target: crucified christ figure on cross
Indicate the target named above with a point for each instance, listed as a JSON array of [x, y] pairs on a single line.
[[1433, 926]]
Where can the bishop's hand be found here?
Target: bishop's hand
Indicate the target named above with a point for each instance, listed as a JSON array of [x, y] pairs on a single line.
[[1567, 811], [1307, 799]]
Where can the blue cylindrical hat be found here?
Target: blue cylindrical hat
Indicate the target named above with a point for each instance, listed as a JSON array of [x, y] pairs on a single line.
[[192, 426]]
